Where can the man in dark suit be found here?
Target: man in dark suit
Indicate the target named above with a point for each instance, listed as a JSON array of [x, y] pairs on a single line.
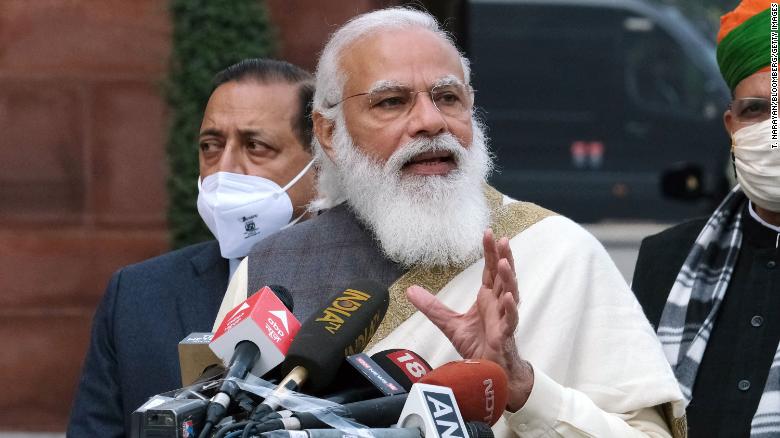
[[255, 179], [711, 287]]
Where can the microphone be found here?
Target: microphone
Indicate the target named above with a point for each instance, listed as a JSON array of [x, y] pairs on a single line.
[[434, 411], [265, 320], [197, 362], [481, 389], [429, 411], [382, 411], [341, 328], [463, 379], [195, 357], [253, 336], [386, 372], [391, 379], [402, 365], [474, 429]]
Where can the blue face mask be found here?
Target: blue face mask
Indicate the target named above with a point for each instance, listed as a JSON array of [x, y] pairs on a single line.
[[241, 210]]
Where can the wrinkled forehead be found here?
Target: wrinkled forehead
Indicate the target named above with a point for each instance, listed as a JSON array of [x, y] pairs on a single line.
[[413, 57], [755, 85], [392, 85]]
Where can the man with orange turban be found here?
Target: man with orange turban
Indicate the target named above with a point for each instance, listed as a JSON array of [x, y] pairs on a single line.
[[712, 286]]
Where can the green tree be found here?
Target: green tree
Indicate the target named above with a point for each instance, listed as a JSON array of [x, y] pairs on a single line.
[[208, 35]]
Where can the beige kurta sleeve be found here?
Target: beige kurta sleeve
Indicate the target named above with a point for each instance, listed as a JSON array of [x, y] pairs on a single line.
[[553, 410], [600, 370]]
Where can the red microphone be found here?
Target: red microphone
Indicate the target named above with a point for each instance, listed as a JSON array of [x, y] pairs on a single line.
[[264, 320], [254, 336], [479, 385]]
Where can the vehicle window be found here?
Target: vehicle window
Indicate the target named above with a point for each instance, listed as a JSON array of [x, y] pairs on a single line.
[[660, 77], [545, 59]]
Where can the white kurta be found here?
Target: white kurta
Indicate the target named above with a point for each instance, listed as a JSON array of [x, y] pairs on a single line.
[[599, 369]]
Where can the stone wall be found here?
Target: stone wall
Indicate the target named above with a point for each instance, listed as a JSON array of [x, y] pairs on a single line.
[[82, 172]]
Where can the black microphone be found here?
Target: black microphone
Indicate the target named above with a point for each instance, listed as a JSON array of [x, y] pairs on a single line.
[[284, 295], [386, 372], [263, 322], [344, 326], [473, 429], [461, 377], [379, 412], [405, 366]]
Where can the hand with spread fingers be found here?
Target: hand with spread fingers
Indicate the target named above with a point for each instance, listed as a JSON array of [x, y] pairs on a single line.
[[486, 330]]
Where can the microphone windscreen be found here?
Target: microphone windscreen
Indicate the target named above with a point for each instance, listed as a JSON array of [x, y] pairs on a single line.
[[405, 366], [284, 295], [479, 385], [195, 357], [263, 320], [341, 328]]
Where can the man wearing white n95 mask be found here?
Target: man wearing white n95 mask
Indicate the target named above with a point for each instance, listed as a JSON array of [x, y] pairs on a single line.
[[255, 169], [255, 178]]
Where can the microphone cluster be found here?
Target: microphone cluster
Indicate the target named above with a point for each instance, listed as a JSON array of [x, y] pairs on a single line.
[[391, 394]]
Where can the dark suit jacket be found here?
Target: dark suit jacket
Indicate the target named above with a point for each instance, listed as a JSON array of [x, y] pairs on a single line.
[[660, 258], [740, 348], [133, 353]]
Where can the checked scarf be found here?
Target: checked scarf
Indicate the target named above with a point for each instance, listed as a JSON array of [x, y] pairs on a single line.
[[694, 301]]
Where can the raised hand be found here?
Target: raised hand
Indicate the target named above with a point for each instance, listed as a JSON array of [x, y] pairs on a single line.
[[486, 330]]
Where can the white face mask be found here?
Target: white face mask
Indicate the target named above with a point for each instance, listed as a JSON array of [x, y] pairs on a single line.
[[241, 210], [758, 165]]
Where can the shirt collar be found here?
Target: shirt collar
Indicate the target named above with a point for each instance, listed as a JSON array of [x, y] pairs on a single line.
[[761, 221], [759, 232], [233, 264]]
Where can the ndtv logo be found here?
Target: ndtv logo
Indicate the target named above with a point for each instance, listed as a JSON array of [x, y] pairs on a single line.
[[490, 400]]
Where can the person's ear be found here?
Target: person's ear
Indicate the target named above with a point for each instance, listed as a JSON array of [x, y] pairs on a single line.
[[323, 130], [729, 122]]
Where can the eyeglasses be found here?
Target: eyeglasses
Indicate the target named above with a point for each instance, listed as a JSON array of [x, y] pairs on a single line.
[[750, 110], [391, 103]]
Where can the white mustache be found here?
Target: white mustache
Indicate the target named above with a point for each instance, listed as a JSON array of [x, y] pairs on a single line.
[[445, 142]]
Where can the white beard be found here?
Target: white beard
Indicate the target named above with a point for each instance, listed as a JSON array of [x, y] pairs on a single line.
[[418, 220]]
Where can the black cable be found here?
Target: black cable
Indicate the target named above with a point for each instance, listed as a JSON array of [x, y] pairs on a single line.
[[229, 428], [204, 433], [248, 429]]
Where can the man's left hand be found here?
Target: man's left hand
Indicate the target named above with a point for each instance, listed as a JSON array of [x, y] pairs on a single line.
[[486, 330]]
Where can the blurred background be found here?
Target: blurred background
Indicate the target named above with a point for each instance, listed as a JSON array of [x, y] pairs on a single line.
[[608, 111]]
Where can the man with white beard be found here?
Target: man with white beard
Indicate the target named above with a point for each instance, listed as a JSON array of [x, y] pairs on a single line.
[[402, 185]]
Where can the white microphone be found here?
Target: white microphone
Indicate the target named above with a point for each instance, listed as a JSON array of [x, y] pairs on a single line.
[[434, 410]]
